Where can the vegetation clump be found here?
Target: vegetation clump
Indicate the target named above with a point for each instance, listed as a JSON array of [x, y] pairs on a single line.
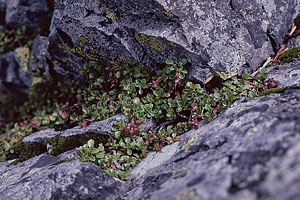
[[139, 93], [10, 38]]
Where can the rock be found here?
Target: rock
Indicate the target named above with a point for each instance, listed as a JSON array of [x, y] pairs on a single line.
[[57, 142], [224, 35], [38, 61], [34, 14], [248, 152], [43, 177], [287, 75], [2, 12], [11, 72]]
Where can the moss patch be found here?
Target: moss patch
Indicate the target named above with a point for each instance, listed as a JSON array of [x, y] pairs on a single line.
[[61, 144], [288, 55]]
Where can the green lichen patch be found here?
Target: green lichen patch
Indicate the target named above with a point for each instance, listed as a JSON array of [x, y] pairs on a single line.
[[110, 15], [188, 144], [153, 42]]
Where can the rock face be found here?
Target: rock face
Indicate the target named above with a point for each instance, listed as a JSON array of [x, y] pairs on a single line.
[[35, 14], [224, 35], [42, 177]]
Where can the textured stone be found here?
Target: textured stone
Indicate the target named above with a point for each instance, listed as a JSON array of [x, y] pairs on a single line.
[[38, 61], [287, 75], [11, 72], [42, 177], [35, 14], [224, 35], [101, 127]]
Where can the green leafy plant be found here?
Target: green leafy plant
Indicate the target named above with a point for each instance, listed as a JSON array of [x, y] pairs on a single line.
[[140, 94], [13, 38]]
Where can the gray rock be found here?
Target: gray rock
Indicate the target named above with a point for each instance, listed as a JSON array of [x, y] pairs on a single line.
[[11, 72], [248, 152], [287, 75], [42, 177], [101, 127], [35, 14], [57, 142], [224, 35], [38, 62]]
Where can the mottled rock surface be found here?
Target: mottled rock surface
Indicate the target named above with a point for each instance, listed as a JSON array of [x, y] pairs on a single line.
[[35, 14], [224, 35], [43, 177]]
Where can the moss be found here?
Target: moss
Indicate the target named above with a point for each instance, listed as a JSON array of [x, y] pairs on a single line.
[[288, 55], [297, 22], [272, 90], [154, 43], [188, 144], [25, 151], [61, 144]]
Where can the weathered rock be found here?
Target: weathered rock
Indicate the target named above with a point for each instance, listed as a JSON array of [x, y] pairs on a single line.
[[242, 154], [287, 75], [35, 14], [38, 62], [11, 72], [57, 142], [225, 35], [44, 177]]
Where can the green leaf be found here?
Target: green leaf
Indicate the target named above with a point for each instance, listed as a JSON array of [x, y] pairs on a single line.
[[169, 62], [101, 147], [91, 143], [92, 158], [129, 152], [100, 155], [117, 134], [127, 140]]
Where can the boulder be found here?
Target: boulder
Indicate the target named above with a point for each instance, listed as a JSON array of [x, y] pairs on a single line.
[[14, 67], [35, 14], [38, 61], [49, 177], [224, 35], [57, 142]]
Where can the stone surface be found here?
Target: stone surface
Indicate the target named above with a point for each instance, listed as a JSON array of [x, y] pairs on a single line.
[[286, 75], [38, 62], [249, 152], [224, 35], [35, 14], [101, 127], [42, 177], [11, 72]]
